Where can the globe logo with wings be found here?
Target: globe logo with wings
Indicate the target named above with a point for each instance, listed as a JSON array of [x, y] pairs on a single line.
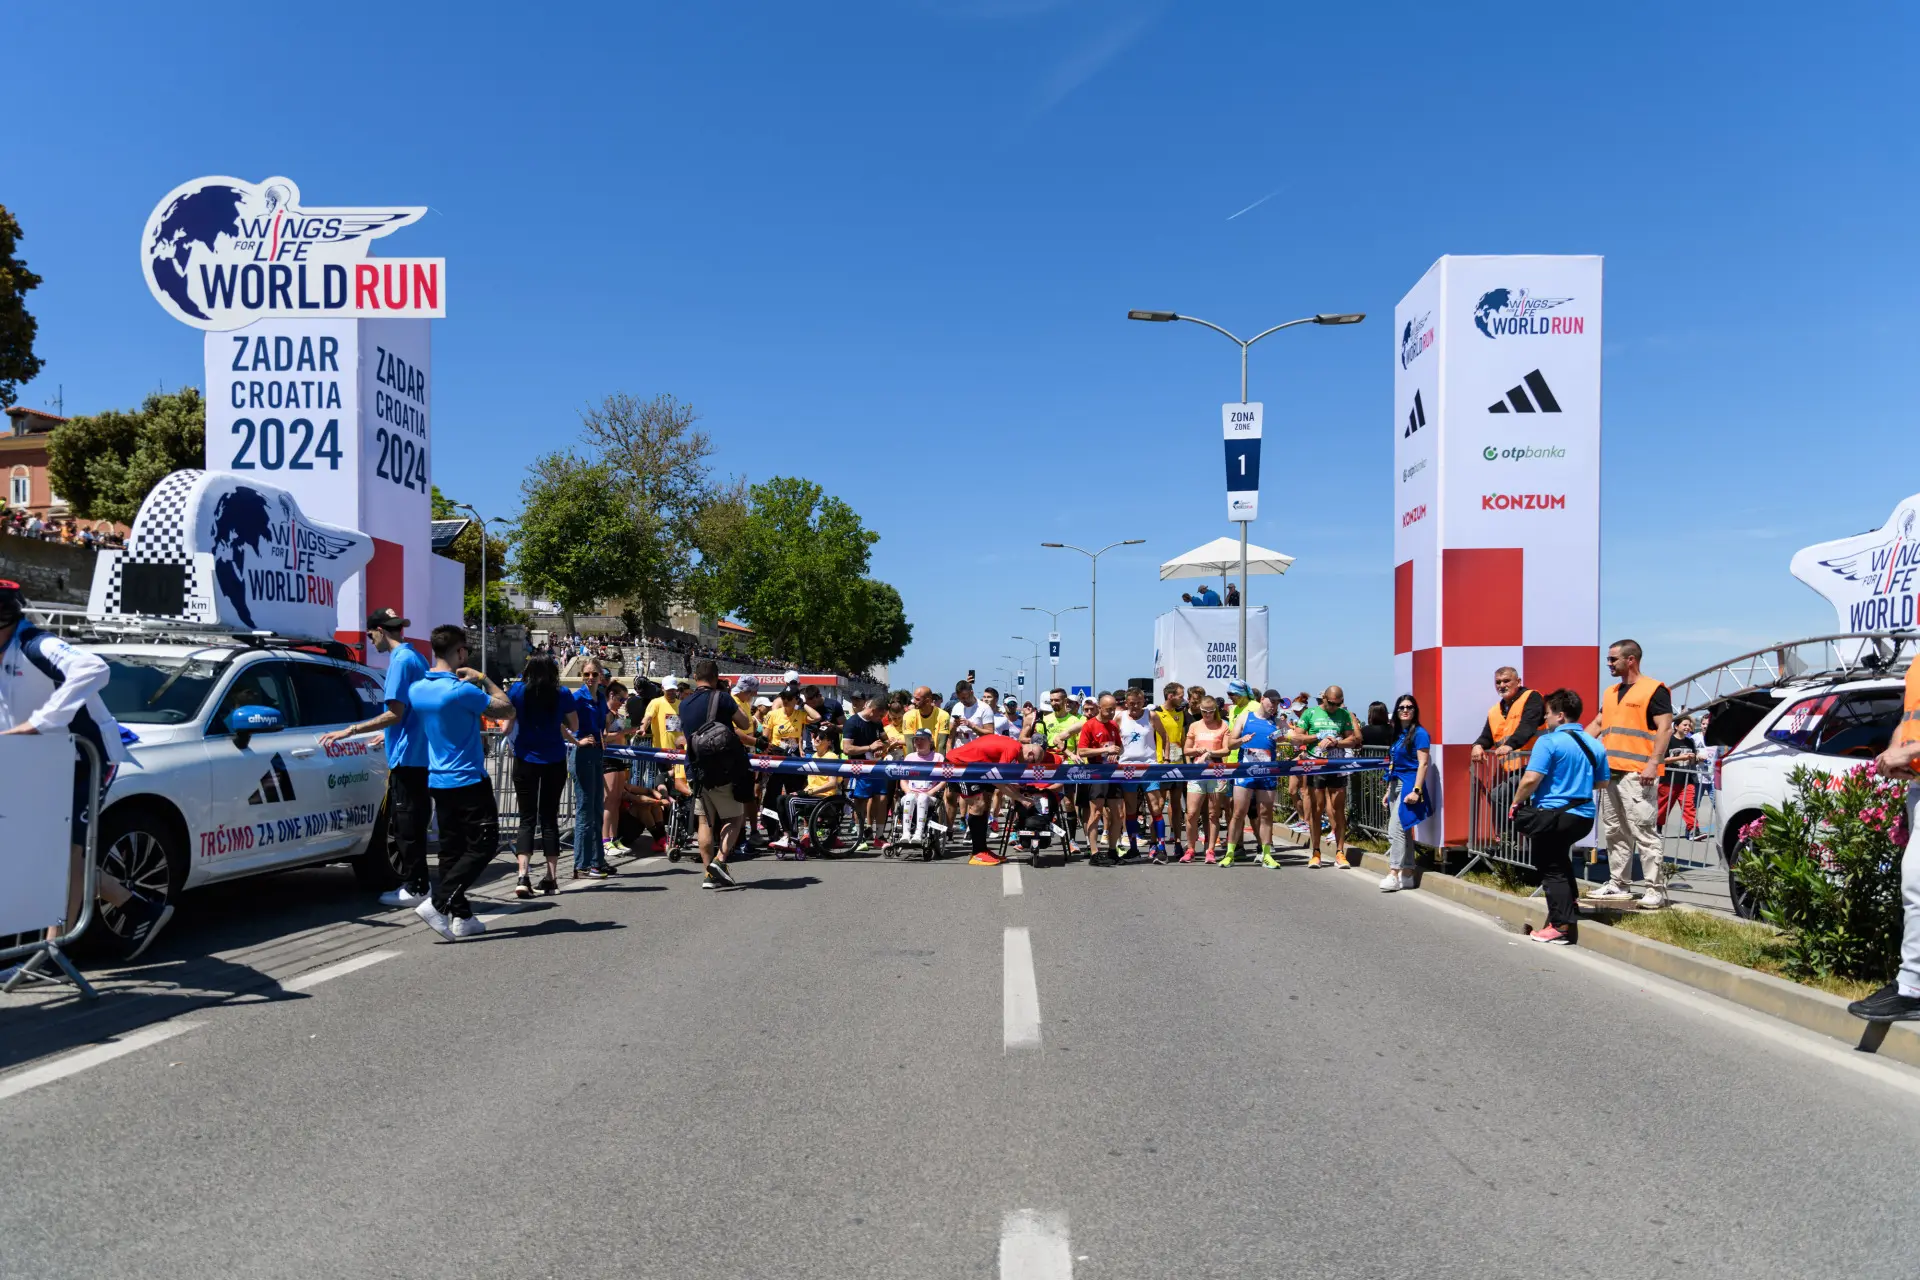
[[218, 252]]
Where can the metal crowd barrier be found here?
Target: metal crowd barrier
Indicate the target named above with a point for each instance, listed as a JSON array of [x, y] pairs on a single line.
[[500, 770], [1491, 836], [1371, 796], [42, 950], [1696, 843]]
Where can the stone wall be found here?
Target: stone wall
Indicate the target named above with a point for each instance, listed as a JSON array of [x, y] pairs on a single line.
[[49, 572]]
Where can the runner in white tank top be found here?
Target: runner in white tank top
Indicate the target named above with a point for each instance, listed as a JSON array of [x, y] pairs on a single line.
[[1140, 730]]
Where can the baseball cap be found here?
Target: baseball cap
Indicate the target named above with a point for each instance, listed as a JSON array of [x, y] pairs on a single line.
[[748, 685], [386, 618], [13, 602], [923, 733], [670, 682], [763, 701]]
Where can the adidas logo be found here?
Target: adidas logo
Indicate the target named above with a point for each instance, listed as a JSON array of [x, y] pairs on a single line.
[[276, 784], [1416, 417], [1542, 395]]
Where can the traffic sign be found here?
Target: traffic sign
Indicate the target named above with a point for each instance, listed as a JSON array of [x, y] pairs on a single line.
[[1083, 691], [1240, 423], [1053, 644], [1020, 680]]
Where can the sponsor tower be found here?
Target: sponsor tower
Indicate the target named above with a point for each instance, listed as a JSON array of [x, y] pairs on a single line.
[[1496, 474]]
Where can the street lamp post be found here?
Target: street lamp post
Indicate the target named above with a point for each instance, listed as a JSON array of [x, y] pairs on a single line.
[[1036, 657], [482, 522], [1325, 317], [1093, 620], [1053, 633]]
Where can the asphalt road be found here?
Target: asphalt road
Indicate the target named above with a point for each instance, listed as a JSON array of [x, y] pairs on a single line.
[[844, 1070]]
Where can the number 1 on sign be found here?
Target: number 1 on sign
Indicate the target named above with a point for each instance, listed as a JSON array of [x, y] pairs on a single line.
[[1243, 464]]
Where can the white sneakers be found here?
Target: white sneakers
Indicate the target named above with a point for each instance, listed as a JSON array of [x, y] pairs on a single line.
[[1610, 890], [467, 926], [1394, 881], [436, 921], [1653, 898], [402, 897]]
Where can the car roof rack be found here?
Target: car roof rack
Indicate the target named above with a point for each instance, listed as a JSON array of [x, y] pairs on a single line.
[[75, 624], [1849, 655]]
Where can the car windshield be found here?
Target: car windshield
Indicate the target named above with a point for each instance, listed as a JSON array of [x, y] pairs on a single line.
[[152, 689]]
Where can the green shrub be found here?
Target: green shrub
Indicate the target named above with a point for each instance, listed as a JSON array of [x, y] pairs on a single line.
[[1825, 868]]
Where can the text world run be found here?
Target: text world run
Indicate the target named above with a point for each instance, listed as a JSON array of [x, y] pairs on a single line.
[[286, 586], [1881, 613], [1523, 501], [376, 286], [1511, 325]]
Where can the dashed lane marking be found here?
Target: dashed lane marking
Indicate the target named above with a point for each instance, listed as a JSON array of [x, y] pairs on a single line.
[[74, 1063], [1020, 996], [1034, 1246], [309, 980]]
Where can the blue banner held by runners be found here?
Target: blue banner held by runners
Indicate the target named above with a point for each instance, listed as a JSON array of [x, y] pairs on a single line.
[[1018, 773]]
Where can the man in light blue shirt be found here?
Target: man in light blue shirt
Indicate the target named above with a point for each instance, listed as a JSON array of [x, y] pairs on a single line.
[[1206, 597], [408, 807], [449, 702], [1563, 772]]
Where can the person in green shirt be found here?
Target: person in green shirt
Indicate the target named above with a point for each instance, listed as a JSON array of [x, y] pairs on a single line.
[[1242, 701], [1326, 732]]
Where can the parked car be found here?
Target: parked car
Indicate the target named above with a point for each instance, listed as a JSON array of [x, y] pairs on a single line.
[[228, 777], [1831, 723]]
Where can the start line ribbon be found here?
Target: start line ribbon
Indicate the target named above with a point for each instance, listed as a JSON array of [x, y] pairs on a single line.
[[1019, 773]]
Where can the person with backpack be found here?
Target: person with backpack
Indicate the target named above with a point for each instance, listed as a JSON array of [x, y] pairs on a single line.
[[717, 732], [1565, 769], [47, 685]]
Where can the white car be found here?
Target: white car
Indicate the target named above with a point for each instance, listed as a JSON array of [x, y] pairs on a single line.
[[1830, 724], [215, 792]]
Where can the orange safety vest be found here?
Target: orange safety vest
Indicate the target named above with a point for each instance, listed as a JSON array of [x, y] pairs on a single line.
[[1623, 728], [1507, 723], [1910, 718]]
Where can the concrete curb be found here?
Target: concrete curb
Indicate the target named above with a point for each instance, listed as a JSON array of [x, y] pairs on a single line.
[[1803, 1006]]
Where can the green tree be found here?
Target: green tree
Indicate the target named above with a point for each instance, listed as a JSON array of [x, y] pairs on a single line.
[[568, 547], [795, 570], [466, 549], [105, 464], [18, 364]]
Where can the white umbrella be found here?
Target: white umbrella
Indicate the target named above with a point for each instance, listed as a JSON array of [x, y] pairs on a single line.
[[1222, 557]]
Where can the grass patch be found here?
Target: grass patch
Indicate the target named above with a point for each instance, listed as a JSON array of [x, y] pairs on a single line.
[[1745, 943], [1753, 946]]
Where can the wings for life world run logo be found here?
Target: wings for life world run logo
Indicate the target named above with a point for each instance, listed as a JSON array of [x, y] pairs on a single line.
[[265, 553], [1415, 336], [1506, 313], [1887, 571], [219, 253]]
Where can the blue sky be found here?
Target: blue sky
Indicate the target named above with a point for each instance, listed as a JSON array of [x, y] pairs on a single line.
[[891, 247]]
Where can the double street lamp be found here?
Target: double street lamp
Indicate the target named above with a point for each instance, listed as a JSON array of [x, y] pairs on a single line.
[[1053, 636], [1036, 661], [1093, 621], [1325, 317]]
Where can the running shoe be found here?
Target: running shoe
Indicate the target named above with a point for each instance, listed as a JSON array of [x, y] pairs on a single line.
[[547, 885], [436, 920], [1188, 857], [402, 897], [1341, 862], [468, 927], [598, 873], [985, 860], [1653, 898], [1314, 863], [1390, 883], [1611, 892], [718, 870], [1104, 858], [1270, 862], [781, 842], [1888, 1004], [1226, 859], [864, 846], [1209, 857], [523, 888], [1159, 854], [1551, 936]]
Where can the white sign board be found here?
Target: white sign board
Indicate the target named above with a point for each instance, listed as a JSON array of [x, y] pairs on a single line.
[[1871, 578], [338, 413], [36, 777], [220, 253], [1202, 646], [1496, 483], [1240, 423], [227, 550]]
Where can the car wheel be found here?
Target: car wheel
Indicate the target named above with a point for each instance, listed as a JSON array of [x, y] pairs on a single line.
[[142, 848], [380, 867], [1745, 905]]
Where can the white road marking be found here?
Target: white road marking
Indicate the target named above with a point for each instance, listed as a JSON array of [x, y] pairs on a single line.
[[1019, 995], [332, 971], [1034, 1246], [1785, 1034], [74, 1063], [1010, 880]]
